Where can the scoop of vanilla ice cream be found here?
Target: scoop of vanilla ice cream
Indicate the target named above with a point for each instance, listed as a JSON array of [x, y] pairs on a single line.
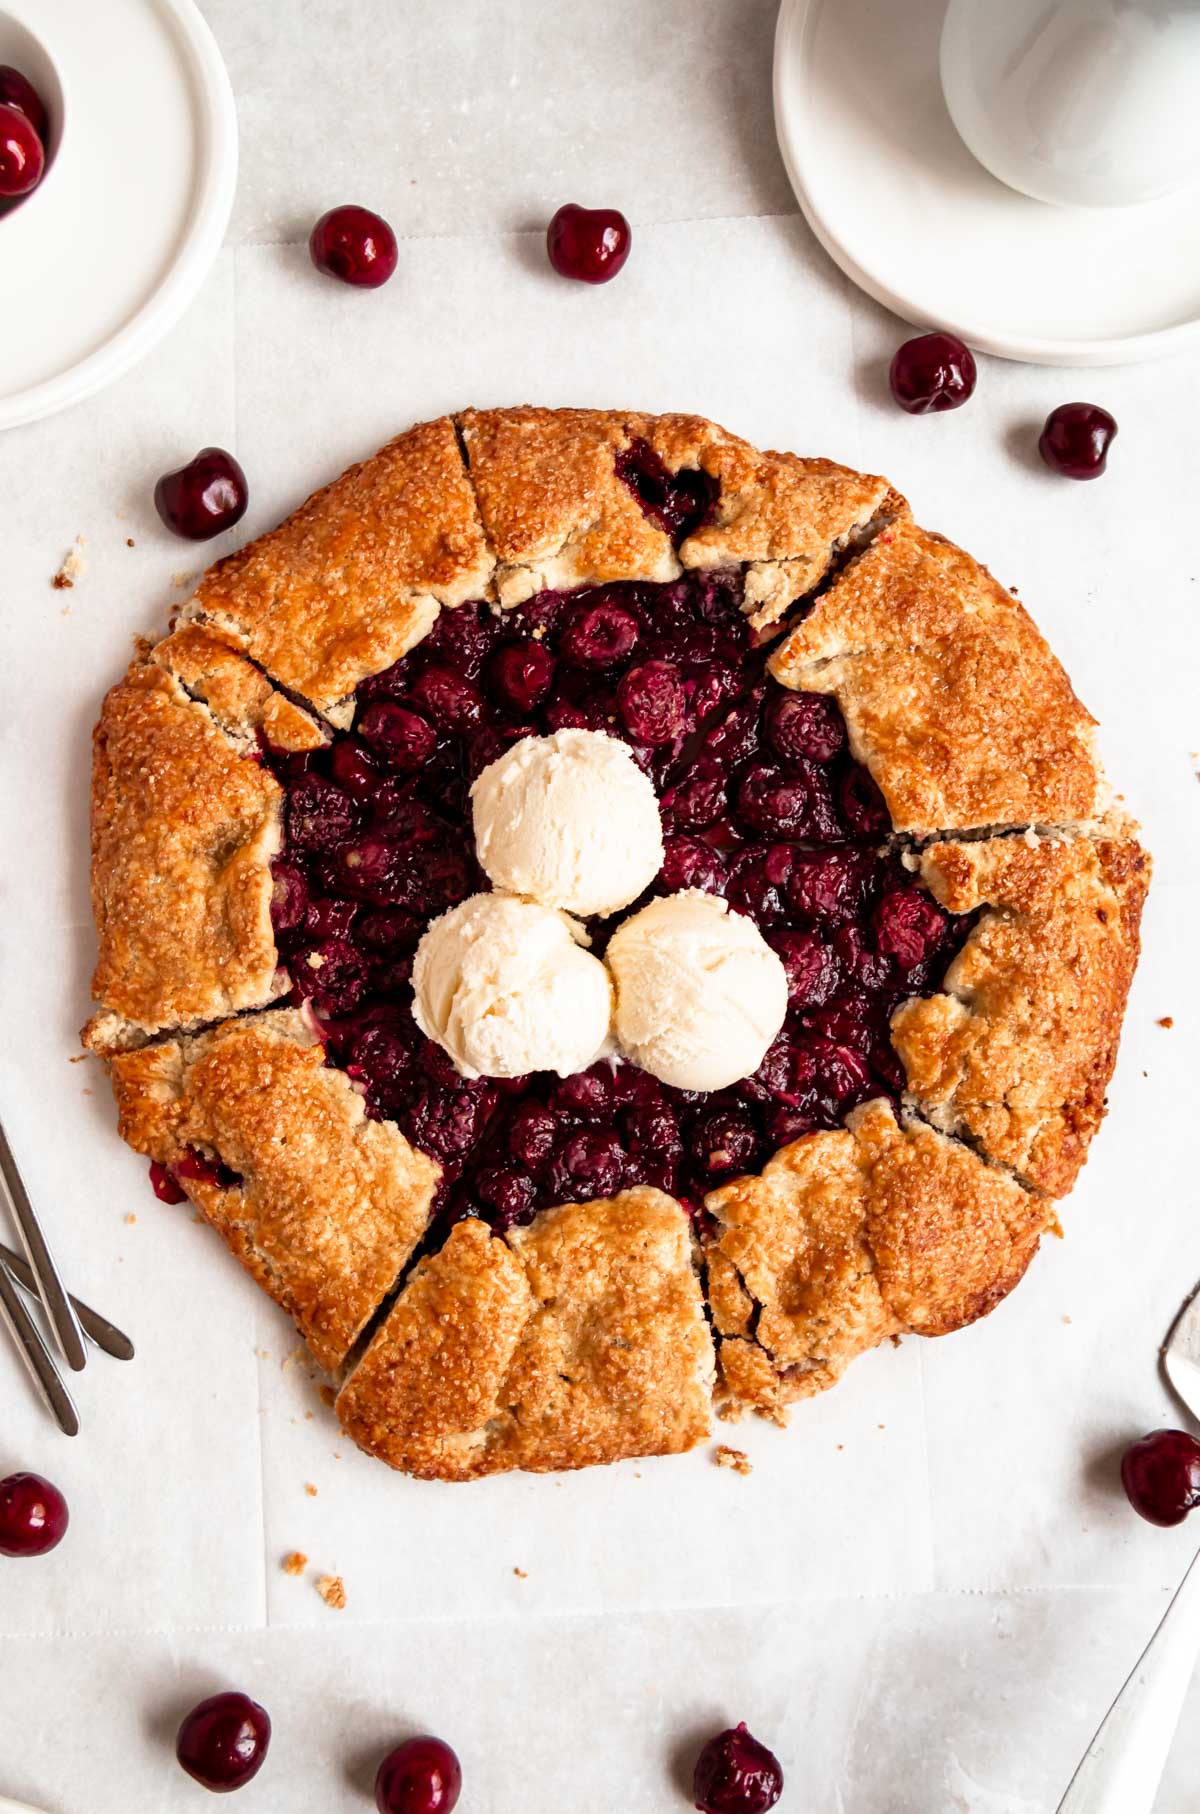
[[505, 987], [570, 821], [700, 993]]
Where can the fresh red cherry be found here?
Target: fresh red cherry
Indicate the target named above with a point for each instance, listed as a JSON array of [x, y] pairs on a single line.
[[1161, 1476], [204, 497], [421, 1776], [590, 244], [22, 159], [17, 90], [354, 245], [932, 373], [33, 1516], [1076, 440], [223, 1741], [736, 1775]]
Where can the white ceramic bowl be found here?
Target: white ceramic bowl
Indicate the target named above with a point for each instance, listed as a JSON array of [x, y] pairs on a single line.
[[102, 258]]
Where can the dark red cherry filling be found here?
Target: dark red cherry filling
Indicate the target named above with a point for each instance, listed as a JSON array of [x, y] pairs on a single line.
[[735, 1774], [679, 503], [761, 802]]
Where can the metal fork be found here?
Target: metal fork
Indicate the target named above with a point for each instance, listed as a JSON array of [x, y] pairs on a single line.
[[35, 1354], [97, 1328], [51, 1289]]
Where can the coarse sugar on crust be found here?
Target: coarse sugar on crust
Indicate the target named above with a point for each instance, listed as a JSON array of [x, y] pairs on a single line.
[[577, 1340], [781, 517], [951, 696], [554, 510], [1016, 1052], [852, 1236], [321, 1205], [185, 824], [354, 577], [557, 514]]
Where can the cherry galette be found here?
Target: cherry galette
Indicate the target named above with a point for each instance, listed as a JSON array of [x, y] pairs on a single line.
[[857, 740]]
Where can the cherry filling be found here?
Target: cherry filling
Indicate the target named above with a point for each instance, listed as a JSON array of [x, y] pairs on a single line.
[[679, 503], [761, 802]]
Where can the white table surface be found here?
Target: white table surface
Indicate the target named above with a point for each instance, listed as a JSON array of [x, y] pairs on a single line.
[[930, 1587]]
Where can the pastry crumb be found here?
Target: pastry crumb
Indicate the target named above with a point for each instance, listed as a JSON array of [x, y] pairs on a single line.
[[129, 542], [737, 1459], [308, 1417], [332, 1590], [310, 1489], [1066, 1319], [295, 1562], [520, 1574], [327, 1395], [263, 1353], [130, 1220], [290, 1360], [72, 567], [182, 579], [1168, 1020]]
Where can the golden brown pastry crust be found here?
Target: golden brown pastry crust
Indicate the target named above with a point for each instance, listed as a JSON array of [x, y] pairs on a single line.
[[1017, 1052], [951, 696], [580, 1339], [185, 823], [554, 511], [558, 515], [852, 1236], [781, 517], [355, 577], [328, 1206]]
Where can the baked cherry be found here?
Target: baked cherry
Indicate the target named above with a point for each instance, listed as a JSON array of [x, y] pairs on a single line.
[[599, 634], [204, 497], [734, 1774], [223, 1741], [804, 726], [932, 373], [909, 924], [405, 739], [354, 245], [519, 676], [22, 159], [421, 1776], [691, 863], [164, 1186], [33, 1516], [17, 90], [590, 244], [1076, 440], [1161, 1476]]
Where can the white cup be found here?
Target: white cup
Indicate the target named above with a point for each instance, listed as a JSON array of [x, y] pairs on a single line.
[[1092, 103]]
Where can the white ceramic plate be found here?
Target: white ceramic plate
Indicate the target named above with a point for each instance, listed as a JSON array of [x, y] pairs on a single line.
[[105, 255], [901, 205]]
